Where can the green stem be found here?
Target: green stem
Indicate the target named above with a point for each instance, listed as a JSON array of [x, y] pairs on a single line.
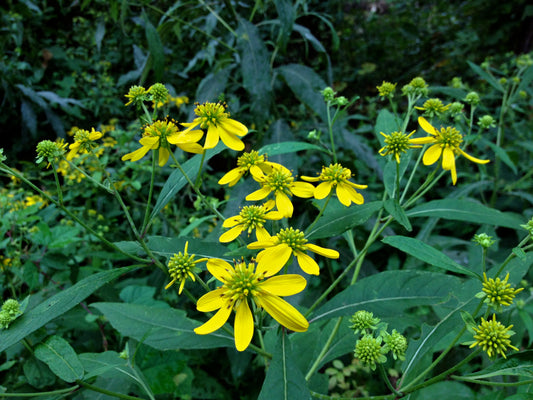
[[58, 186], [220, 19], [499, 143], [512, 255], [330, 130], [385, 377], [324, 350], [199, 176], [308, 229], [105, 391], [501, 384], [53, 392], [150, 194], [326, 397], [405, 190]]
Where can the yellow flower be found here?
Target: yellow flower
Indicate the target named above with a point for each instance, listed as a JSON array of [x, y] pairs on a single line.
[[250, 218], [279, 248], [181, 267], [136, 94], [280, 182], [433, 107], [83, 142], [212, 116], [253, 162], [493, 337], [242, 285], [396, 143], [499, 293], [34, 199], [337, 176], [159, 135], [445, 144]]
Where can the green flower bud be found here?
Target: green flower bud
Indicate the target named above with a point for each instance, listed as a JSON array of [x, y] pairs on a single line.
[[386, 89], [483, 240], [363, 320], [472, 98], [159, 92], [136, 95], [396, 343], [486, 122], [5, 319], [11, 306], [50, 151], [369, 351], [328, 94], [456, 82]]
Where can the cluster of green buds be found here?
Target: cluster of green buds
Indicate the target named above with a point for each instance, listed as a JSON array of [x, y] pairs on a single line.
[[374, 341], [386, 89], [483, 240], [10, 311], [330, 96], [157, 93], [50, 152], [417, 87], [529, 227]]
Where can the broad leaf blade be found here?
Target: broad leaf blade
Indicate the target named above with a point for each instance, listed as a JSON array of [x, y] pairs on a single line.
[[60, 358], [287, 147], [428, 254], [398, 213], [160, 328], [56, 306], [518, 364]]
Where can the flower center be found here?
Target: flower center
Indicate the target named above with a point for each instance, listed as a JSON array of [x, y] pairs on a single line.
[[335, 173], [243, 283], [248, 160], [397, 142], [253, 217], [162, 129], [180, 266], [450, 137], [211, 114], [279, 180], [295, 239]]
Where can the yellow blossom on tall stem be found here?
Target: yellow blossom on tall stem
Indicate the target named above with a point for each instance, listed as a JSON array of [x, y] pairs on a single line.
[[83, 142], [159, 135], [336, 176], [181, 267], [445, 144], [253, 161], [396, 143], [250, 218], [279, 248], [245, 284], [214, 118], [280, 182]]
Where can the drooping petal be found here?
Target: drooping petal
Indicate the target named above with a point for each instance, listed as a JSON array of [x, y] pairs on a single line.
[[244, 326], [284, 204], [284, 313], [220, 269], [273, 259], [348, 194], [302, 189], [262, 234], [263, 244], [473, 159], [191, 148], [259, 194], [425, 125], [232, 234], [185, 137], [284, 285], [307, 264], [235, 127], [274, 215], [212, 301], [137, 154], [232, 221], [448, 158], [232, 176], [323, 189], [164, 154], [94, 135], [230, 139], [329, 253], [422, 140], [310, 178], [152, 141], [215, 322], [212, 137], [432, 154]]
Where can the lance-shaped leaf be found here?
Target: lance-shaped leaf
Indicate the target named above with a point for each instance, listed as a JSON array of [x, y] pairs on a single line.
[[60, 358], [517, 364]]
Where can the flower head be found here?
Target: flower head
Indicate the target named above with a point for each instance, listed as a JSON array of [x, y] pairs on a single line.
[[159, 135], [472, 98], [483, 240], [417, 87], [136, 94], [12, 307], [253, 161], [386, 89], [396, 343], [242, 285], [214, 118], [337, 176], [363, 320], [5, 319], [529, 227], [181, 267], [50, 151], [279, 248], [250, 218], [433, 107], [280, 182], [369, 351], [499, 293], [445, 144], [486, 122], [396, 143], [493, 337], [159, 93], [83, 142]]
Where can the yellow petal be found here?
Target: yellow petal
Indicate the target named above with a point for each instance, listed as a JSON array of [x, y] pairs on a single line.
[[310, 178], [284, 313], [220, 269], [263, 244], [137, 154], [235, 127], [191, 148], [244, 326], [94, 135], [473, 159], [152, 141], [212, 137], [215, 322], [448, 158], [425, 125], [231, 235], [323, 190], [274, 215], [432, 154], [284, 204], [348, 194], [329, 253], [307, 264], [185, 137], [230, 139], [211, 301], [164, 154], [261, 234], [302, 189], [284, 285], [258, 194], [232, 177], [232, 221], [273, 259], [422, 140]]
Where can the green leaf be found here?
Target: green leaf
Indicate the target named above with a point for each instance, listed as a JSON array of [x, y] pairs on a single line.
[[157, 51], [342, 219], [60, 358], [447, 389], [486, 76], [398, 213], [286, 16], [389, 293], [427, 254], [287, 147], [107, 364], [520, 253], [387, 123], [160, 328], [56, 306], [212, 85], [306, 84], [466, 210], [284, 381], [517, 364], [176, 181], [501, 154], [255, 67]]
